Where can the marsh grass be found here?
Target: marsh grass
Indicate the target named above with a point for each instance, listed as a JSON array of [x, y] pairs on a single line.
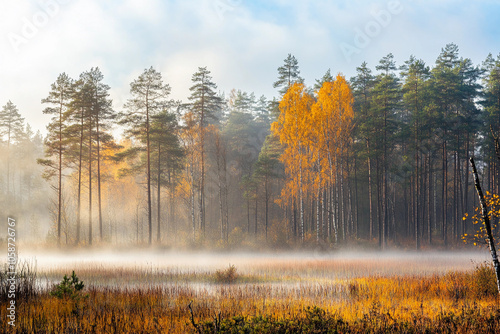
[[455, 302], [227, 276], [24, 274]]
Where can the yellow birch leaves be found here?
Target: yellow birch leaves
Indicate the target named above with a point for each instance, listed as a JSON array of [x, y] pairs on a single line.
[[479, 236], [313, 133]]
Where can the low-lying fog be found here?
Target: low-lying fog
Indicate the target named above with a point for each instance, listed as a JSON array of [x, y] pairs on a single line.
[[342, 264]]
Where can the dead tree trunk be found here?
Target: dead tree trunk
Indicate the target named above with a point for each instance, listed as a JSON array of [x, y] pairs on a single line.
[[487, 225]]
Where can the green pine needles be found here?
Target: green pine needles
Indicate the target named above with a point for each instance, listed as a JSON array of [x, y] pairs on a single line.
[[69, 287]]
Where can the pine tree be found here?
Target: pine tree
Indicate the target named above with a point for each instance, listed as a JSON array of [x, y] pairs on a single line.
[[491, 113], [57, 140], [288, 74], [244, 134], [205, 105], [79, 111], [416, 74], [266, 169], [11, 129], [326, 78], [166, 156], [467, 129], [149, 97], [262, 111], [190, 140], [222, 183], [365, 128], [446, 87], [386, 97], [98, 114]]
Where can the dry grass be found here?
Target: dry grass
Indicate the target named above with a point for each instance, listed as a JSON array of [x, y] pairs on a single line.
[[134, 300]]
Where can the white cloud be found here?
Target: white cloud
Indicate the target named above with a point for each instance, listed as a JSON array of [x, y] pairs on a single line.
[[241, 43]]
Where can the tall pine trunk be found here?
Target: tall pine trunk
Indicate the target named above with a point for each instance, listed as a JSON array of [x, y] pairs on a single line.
[[148, 152], [370, 201], [59, 189], [90, 178], [193, 216], [158, 209], [99, 177], [79, 199]]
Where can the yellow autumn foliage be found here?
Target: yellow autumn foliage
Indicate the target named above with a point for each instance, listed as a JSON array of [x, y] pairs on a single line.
[[314, 134]]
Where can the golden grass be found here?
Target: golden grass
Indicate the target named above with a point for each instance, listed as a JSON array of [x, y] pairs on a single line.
[[135, 300]]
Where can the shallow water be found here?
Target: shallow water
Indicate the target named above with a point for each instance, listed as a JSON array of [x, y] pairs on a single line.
[[140, 267], [322, 277]]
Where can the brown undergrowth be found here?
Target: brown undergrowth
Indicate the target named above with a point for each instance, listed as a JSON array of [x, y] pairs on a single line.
[[456, 302]]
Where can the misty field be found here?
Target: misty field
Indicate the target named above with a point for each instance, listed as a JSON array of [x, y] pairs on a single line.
[[167, 292]]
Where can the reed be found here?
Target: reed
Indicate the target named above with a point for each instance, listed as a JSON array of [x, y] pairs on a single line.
[[455, 301]]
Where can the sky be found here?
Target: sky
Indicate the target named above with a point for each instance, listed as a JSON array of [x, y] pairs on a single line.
[[241, 42]]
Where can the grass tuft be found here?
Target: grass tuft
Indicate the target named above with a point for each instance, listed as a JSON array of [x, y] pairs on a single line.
[[227, 276]]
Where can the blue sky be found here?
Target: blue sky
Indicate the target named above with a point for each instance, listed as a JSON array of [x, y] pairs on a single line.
[[242, 42]]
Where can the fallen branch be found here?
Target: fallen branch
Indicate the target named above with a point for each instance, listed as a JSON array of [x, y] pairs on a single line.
[[192, 318], [217, 321]]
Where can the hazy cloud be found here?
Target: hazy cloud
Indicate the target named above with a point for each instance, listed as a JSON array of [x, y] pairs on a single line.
[[241, 42]]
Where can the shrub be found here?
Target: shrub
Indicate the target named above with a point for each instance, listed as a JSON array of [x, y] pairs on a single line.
[[68, 288], [484, 281], [227, 276]]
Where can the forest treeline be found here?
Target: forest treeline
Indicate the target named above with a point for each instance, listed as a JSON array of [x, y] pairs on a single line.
[[380, 158]]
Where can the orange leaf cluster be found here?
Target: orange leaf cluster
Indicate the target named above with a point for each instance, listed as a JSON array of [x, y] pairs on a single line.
[[314, 132]]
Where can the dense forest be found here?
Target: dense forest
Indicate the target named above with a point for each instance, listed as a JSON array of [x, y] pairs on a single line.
[[380, 159]]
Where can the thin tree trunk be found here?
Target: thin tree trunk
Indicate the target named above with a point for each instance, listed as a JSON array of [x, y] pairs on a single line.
[[445, 196], [172, 220], [226, 195], [301, 200], [356, 199], [248, 214], [158, 196], [370, 201], [219, 183], [393, 216], [466, 195], [193, 217], [342, 215], [267, 202], [416, 196], [59, 189], [429, 208], [423, 191], [256, 209], [350, 215], [385, 196], [8, 160], [318, 200], [148, 148], [379, 206], [324, 215], [99, 178], [202, 153], [90, 179], [78, 217], [455, 196], [334, 221], [137, 223]]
